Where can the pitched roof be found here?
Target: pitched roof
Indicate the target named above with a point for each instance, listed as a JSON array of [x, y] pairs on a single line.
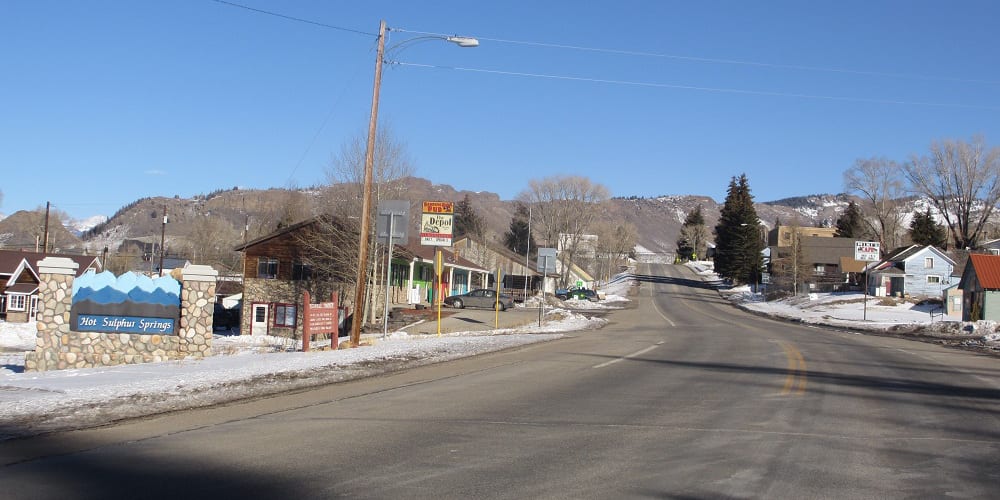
[[987, 269], [904, 254], [11, 259], [827, 250], [22, 288], [276, 233]]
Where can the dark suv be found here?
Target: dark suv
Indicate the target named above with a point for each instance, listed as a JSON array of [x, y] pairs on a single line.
[[578, 293]]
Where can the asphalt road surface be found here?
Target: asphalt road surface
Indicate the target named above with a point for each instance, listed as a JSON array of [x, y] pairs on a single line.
[[681, 396]]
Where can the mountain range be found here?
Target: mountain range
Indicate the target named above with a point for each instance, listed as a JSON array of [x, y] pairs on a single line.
[[222, 215]]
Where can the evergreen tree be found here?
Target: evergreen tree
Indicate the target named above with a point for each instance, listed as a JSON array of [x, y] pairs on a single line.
[[692, 242], [924, 230], [467, 221], [738, 241], [518, 238], [852, 223], [685, 250], [694, 217]]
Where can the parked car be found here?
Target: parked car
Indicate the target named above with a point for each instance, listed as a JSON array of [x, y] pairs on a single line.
[[480, 297], [577, 293], [225, 319]]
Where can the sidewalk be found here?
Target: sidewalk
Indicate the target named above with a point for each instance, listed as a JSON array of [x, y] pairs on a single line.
[[472, 320]]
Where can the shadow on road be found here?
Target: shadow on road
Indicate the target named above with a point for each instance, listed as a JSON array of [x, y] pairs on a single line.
[[60, 466], [686, 282], [945, 395]]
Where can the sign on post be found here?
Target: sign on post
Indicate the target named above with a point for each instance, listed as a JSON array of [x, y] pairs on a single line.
[[319, 319], [546, 266], [867, 250], [436, 223], [546, 263], [392, 215]]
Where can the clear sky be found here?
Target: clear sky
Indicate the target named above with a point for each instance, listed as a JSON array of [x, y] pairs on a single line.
[[104, 102]]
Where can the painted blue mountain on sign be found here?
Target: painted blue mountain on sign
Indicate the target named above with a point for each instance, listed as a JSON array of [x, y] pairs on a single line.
[[105, 288]]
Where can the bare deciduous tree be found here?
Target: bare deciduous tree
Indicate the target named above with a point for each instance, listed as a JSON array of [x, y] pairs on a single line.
[[962, 180], [615, 241], [567, 206], [879, 181], [334, 243], [211, 242]]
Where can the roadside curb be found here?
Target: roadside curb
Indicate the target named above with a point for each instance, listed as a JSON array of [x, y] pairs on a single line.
[[916, 333]]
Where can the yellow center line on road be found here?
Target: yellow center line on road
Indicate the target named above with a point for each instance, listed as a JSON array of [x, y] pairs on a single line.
[[795, 380], [634, 354]]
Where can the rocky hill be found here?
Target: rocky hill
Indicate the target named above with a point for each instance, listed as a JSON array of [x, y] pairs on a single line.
[[215, 222], [26, 230]]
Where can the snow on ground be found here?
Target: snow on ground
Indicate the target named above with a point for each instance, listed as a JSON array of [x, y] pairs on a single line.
[[244, 366], [850, 310]]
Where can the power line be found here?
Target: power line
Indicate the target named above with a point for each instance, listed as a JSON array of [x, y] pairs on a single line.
[[702, 89], [721, 61], [296, 19]]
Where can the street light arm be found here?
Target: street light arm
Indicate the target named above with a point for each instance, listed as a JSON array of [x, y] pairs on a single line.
[[463, 41]]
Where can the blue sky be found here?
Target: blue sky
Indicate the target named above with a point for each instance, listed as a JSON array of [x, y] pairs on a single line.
[[104, 102]]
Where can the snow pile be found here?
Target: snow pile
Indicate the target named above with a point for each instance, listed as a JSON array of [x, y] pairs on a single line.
[[18, 336], [615, 294], [855, 311]]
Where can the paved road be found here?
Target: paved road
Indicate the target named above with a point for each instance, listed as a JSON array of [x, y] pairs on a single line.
[[681, 397]]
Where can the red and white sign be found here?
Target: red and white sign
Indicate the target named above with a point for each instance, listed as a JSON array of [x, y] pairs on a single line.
[[436, 223], [867, 250], [320, 319]]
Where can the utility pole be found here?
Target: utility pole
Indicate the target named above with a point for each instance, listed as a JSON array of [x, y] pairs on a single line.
[[163, 237], [45, 238], [527, 251], [366, 200]]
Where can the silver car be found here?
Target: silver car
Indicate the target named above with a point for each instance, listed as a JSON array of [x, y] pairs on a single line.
[[480, 297]]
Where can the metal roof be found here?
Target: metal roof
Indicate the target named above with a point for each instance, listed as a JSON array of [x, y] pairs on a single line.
[[987, 269]]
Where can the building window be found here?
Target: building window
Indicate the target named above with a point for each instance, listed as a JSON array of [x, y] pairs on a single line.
[[301, 272], [928, 262], [16, 303], [933, 280], [33, 311], [284, 315], [267, 268], [819, 269]]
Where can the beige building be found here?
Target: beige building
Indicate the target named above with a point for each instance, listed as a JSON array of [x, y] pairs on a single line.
[[781, 236]]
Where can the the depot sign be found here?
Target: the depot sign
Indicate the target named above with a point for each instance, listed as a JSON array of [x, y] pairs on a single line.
[[436, 223], [867, 250]]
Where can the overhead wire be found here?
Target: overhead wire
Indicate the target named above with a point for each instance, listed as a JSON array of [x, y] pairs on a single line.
[[699, 88], [296, 19], [340, 96], [718, 60]]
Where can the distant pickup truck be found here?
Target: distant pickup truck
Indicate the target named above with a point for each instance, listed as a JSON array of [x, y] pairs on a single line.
[[577, 293]]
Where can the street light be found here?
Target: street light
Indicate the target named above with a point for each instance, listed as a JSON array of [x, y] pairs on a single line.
[[366, 198]]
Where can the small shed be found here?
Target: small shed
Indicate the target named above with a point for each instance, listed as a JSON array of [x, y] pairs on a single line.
[[980, 287]]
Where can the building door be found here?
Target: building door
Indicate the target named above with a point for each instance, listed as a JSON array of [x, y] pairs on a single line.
[[896, 284], [258, 322]]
